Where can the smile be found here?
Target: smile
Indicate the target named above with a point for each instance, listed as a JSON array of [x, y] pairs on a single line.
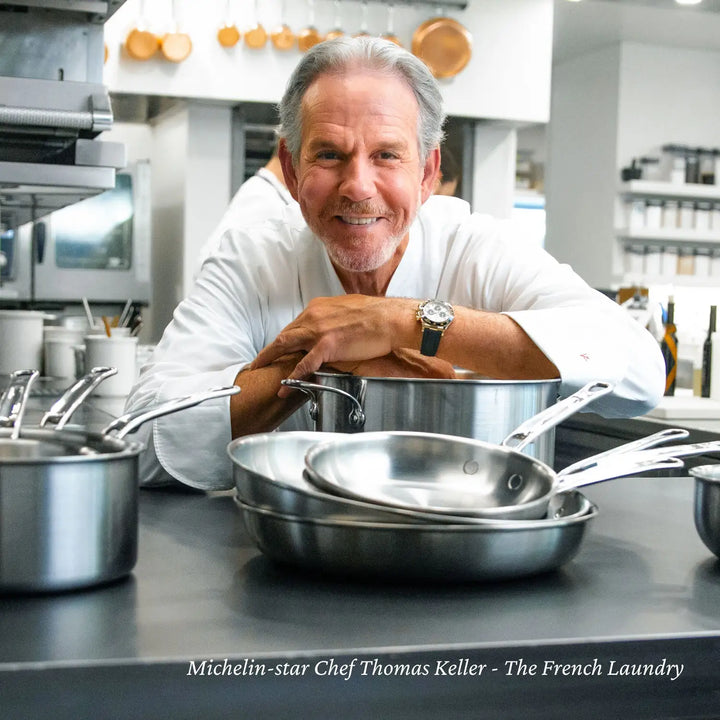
[[357, 220]]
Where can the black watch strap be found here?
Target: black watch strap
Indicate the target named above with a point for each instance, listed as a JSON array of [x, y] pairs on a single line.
[[430, 341]]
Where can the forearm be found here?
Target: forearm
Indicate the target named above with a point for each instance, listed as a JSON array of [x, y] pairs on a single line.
[[257, 408]]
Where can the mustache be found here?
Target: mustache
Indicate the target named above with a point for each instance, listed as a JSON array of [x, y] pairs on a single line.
[[359, 208]]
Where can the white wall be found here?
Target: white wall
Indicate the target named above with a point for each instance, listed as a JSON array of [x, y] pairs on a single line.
[[508, 75], [581, 174], [609, 106]]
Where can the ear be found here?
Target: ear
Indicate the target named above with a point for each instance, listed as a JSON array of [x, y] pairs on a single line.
[[288, 169], [431, 174]]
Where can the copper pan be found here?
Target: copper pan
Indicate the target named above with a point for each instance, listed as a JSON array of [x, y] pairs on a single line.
[[228, 35], [140, 42], [282, 37], [175, 45], [444, 45]]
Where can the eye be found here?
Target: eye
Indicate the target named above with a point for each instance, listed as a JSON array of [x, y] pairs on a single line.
[[387, 155], [327, 155]]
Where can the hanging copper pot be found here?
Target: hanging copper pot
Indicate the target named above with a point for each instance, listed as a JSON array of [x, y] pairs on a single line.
[[228, 35], [140, 43], [444, 45], [337, 30], [309, 36], [256, 37], [175, 45], [282, 37]]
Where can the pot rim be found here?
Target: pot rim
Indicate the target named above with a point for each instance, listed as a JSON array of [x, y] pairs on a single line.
[[77, 438], [473, 379], [706, 473]]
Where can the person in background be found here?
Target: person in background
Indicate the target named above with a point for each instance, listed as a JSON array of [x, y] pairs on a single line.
[[261, 196], [382, 279], [449, 173]]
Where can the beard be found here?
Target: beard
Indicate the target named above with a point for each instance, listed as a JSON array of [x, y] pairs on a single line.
[[358, 254]]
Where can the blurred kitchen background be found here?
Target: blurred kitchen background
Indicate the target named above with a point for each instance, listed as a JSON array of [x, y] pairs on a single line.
[[594, 123]]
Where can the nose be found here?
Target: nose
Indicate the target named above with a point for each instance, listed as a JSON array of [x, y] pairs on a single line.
[[358, 179]]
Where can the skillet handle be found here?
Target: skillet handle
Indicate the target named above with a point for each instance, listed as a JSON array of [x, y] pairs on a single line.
[[357, 415], [528, 431], [643, 443], [131, 421], [620, 466]]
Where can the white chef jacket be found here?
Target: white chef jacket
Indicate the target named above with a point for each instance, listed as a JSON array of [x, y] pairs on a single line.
[[260, 278], [260, 196]]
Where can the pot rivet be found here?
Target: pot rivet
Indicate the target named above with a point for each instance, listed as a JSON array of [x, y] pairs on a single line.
[[471, 467], [515, 482]]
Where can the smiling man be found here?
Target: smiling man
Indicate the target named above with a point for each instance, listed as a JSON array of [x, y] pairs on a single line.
[[381, 279]]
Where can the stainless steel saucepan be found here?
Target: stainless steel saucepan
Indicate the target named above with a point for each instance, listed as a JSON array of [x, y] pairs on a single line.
[[469, 406], [444, 474], [69, 501]]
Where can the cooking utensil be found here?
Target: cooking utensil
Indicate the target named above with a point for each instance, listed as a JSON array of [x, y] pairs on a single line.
[[228, 35], [66, 405], [452, 475], [706, 509], [282, 37], [406, 551], [309, 36], [363, 32], [140, 43], [69, 515], [643, 443], [14, 399], [337, 30], [175, 45], [268, 472], [444, 45], [389, 33], [469, 407], [256, 37]]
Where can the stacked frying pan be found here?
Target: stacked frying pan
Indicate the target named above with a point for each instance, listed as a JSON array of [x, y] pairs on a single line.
[[425, 506]]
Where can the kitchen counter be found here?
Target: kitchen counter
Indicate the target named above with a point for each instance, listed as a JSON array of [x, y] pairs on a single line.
[[643, 590]]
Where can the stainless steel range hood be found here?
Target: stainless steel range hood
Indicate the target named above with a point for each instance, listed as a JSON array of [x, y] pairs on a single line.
[[53, 106]]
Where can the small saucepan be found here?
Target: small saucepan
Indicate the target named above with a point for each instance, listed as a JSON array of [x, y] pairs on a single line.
[[69, 501]]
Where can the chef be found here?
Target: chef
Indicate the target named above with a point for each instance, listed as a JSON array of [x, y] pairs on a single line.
[[381, 278]]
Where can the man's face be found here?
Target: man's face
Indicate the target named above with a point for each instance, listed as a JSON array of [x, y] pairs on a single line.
[[359, 179]]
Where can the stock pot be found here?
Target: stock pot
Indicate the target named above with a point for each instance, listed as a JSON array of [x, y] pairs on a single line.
[[469, 406]]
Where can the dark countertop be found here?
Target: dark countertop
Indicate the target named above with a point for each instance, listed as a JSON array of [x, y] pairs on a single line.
[[642, 590]]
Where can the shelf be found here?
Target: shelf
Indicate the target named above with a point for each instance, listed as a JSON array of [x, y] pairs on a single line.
[[647, 188], [689, 237]]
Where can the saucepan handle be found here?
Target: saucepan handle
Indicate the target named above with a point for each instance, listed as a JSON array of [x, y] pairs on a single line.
[[529, 430], [131, 421], [63, 408], [357, 415], [14, 400]]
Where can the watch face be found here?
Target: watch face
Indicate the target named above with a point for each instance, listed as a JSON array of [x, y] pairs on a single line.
[[438, 312]]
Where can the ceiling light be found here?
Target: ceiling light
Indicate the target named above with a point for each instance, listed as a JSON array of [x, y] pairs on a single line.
[[688, 2]]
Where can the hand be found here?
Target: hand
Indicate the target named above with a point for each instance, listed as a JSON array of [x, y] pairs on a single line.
[[348, 328], [403, 363]]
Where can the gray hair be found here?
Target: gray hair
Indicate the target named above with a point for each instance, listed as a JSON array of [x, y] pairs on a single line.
[[344, 53]]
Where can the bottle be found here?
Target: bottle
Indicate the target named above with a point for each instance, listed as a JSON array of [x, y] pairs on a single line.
[[715, 367], [669, 348], [707, 355]]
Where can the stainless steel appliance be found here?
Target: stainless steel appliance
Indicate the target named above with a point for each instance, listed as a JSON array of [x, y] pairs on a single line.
[[53, 107], [98, 248]]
